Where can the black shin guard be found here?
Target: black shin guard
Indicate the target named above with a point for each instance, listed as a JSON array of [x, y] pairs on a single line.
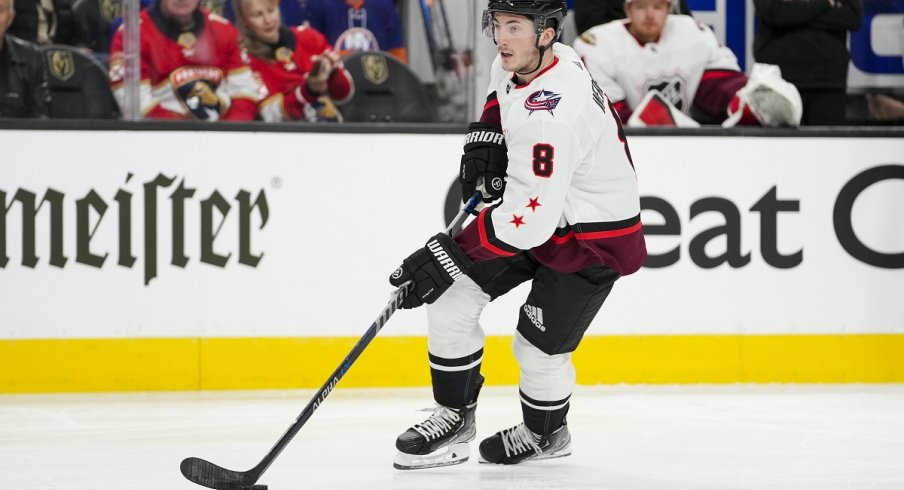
[[544, 417], [456, 382]]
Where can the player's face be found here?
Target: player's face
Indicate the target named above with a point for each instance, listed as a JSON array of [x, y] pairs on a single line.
[[180, 10], [6, 16], [263, 19], [516, 41], [647, 18]]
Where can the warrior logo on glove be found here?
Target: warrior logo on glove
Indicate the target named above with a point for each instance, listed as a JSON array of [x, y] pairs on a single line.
[[431, 270], [444, 259], [484, 163]]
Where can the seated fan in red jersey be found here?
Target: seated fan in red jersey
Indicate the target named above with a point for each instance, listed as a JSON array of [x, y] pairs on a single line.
[[303, 78], [192, 66]]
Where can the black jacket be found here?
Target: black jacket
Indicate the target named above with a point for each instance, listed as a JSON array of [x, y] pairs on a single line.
[[94, 21], [807, 39], [23, 80], [25, 24]]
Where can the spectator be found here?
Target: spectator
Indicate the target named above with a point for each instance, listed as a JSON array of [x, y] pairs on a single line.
[[45, 22], [23, 77], [97, 22], [807, 39], [358, 25], [192, 66], [302, 74], [591, 13], [672, 54]]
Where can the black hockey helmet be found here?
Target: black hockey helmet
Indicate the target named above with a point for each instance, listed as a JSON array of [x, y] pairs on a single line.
[[541, 11]]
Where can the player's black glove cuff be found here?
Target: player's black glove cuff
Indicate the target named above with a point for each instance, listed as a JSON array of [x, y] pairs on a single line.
[[485, 161], [431, 270]]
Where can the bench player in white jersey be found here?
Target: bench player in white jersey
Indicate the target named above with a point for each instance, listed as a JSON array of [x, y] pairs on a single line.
[[550, 154], [673, 54]]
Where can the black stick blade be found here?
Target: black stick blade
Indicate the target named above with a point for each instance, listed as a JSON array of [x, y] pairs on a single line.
[[207, 474]]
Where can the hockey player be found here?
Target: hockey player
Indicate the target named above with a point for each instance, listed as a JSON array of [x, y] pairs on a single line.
[[591, 13], [550, 149], [192, 66], [672, 54], [303, 76]]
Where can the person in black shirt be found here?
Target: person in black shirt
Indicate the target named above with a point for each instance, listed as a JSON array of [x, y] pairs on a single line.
[[45, 22], [23, 77], [807, 39]]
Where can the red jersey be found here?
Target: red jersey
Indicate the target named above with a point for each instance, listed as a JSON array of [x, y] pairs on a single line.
[[200, 73], [285, 76]]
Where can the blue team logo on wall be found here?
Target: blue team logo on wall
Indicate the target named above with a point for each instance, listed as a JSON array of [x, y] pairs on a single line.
[[878, 46], [542, 100]]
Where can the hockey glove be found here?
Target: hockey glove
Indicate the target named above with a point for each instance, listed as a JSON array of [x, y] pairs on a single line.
[[431, 270], [771, 100], [484, 162]]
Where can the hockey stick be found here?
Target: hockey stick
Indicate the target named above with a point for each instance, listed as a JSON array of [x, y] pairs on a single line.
[[428, 32], [210, 475]]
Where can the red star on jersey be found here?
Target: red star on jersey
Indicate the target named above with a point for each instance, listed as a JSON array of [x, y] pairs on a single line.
[[517, 220], [534, 203]]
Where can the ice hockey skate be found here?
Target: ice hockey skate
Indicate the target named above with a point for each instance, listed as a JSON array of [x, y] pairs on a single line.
[[519, 444], [441, 440]]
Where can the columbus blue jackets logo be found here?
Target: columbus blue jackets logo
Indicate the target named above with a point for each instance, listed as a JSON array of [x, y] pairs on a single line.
[[542, 100]]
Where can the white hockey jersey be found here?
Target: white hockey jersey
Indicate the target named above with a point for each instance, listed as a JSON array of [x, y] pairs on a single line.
[[626, 69], [572, 196]]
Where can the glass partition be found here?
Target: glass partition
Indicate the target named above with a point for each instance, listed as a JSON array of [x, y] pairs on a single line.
[[368, 61]]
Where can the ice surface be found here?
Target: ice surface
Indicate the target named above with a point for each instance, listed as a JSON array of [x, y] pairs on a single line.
[[820, 437]]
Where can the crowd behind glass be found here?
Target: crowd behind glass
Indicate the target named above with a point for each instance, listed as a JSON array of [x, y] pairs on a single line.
[[246, 60]]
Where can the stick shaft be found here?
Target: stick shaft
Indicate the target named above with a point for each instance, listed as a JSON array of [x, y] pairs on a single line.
[[394, 302]]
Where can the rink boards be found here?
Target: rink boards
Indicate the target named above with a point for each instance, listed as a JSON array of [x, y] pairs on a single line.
[[219, 260]]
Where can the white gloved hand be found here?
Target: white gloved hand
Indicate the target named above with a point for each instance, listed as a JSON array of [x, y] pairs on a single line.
[[772, 100]]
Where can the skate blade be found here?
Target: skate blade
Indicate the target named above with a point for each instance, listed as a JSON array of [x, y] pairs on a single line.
[[561, 453], [558, 454], [446, 456]]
